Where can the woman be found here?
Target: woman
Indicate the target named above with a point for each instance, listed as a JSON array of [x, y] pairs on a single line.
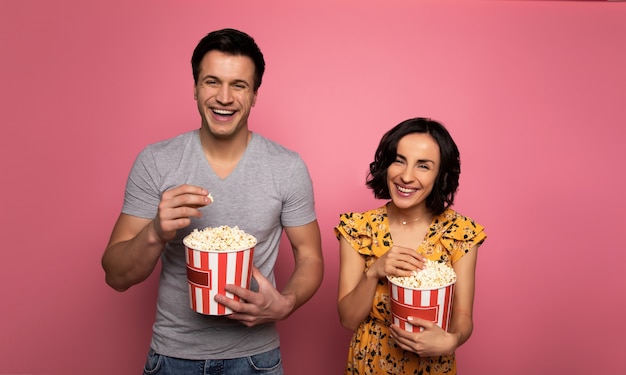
[[416, 168]]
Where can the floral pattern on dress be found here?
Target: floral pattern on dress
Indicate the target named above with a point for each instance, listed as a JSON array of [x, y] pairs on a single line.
[[372, 351]]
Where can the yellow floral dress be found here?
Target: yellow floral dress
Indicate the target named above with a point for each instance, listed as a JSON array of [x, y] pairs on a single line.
[[372, 351]]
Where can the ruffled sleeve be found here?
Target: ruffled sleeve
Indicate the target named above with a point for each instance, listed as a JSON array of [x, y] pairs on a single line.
[[459, 234], [362, 231]]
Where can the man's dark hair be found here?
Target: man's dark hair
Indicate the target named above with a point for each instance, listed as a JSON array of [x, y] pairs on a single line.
[[231, 42]]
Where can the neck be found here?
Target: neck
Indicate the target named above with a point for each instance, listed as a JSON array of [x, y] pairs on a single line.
[[224, 149], [405, 217], [224, 154]]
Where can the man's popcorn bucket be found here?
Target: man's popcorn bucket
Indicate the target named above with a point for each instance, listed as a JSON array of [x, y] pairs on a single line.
[[429, 304], [208, 272]]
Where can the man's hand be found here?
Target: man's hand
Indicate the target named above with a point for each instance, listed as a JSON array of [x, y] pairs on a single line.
[[136, 243], [176, 208], [266, 305]]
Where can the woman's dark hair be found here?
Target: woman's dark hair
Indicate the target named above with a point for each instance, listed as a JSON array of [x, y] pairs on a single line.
[[447, 182], [231, 42]]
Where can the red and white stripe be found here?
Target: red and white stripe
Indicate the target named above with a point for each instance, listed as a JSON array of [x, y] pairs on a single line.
[[209, 272], [434, 305]]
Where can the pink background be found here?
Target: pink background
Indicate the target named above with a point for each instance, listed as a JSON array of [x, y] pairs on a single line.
[[532, 91]]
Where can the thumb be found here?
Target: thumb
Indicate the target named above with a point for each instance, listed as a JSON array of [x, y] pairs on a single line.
[[416, 321], [259, 277]]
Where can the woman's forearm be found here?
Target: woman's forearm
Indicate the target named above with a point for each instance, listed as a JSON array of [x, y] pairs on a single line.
[[356, 305]]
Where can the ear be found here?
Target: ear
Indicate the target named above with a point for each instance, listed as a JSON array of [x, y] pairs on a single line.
[[195, 92], [254, 98]]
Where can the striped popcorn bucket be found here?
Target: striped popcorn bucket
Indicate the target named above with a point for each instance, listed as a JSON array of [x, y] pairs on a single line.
[[429, 304], [209, 271]]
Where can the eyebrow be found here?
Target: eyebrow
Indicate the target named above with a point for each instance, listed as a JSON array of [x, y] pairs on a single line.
[[218, 79], [418, 160]]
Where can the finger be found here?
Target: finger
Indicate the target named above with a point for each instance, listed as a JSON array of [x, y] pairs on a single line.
[[235, 306], [190, 200], [242, 293], [396, 331], [245, 319], [400, 248], [169, 225], [403, 267], [401, 251], [174, 213], [250, 294], [260, 278], [416, 321], [186, 195], [187, 189]]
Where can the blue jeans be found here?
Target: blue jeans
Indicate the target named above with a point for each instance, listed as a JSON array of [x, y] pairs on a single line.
[[268, 363]]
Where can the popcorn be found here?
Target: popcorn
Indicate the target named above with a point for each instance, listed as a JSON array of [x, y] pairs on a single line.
[[210, 197], [434, 276], [222, 238]]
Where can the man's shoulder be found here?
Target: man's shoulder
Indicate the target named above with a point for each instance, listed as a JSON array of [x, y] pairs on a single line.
[[272, 148], [177, 142]]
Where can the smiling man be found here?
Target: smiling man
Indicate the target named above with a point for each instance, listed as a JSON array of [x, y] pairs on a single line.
[[219, 174]]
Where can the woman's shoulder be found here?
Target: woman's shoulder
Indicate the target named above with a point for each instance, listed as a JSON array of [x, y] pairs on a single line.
[[453, 225], [362, 229], [450, 216], [357, 224], [374, 215]]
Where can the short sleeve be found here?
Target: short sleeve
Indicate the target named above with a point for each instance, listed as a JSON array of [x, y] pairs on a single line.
[[355, 229], [299, 204], [460, 235], [142, 193], [366, 232]]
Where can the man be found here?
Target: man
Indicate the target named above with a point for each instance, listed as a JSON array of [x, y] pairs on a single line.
[[256, 184]]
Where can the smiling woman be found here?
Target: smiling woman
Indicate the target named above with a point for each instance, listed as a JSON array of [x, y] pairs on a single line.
[[416, 167]]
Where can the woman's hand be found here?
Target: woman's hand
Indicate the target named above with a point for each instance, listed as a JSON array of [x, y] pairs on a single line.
[[398, 261], [432, 341]]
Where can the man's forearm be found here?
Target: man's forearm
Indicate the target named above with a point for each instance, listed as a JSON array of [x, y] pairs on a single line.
[[130, 262], [305, 280]]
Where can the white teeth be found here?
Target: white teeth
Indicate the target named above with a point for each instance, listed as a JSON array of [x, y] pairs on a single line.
[[223, 112], [405, 190]]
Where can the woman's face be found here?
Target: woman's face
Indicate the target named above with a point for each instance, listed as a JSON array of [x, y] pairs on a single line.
[[412, 175]]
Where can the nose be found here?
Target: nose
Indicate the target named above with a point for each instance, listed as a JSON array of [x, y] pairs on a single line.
[[224, 95], [407, 175]]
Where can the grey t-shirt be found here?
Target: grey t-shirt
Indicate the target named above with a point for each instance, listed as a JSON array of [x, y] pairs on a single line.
[[269, 188]]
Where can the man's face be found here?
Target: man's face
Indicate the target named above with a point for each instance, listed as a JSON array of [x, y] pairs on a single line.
[[225, 93]]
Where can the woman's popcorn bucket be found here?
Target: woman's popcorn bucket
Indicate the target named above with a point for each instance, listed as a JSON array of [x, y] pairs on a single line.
[[209, 271], [429, 304]]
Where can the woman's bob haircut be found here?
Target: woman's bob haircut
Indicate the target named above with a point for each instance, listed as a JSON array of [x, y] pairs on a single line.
[[447, 182]]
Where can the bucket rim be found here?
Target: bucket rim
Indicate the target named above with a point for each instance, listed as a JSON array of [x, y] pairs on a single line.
[[220, 251], [420, 289]]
